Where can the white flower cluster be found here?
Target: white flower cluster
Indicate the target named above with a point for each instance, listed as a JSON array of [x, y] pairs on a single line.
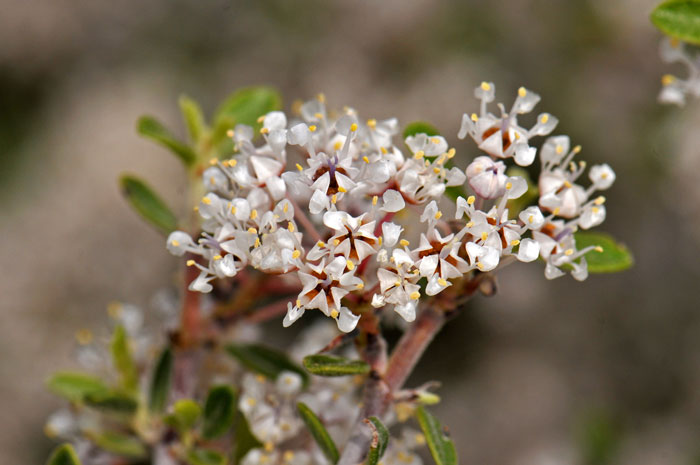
[[674, 89], [361, 200]]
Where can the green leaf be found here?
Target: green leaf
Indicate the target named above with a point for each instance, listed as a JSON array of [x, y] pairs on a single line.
[[679, 19], [160, 383], [112, 401], [614, 257], [205, 457], [319, 433], [75, 386], [149, 127], [266, 361], [245, 439], [219, 411], [123, 361], [148, 204], [599, 437], [441, 446], [420, 127], [194, 118], [120, 444], [329, 365], [246, 105], [380, 439], [185, 414], [63, 455]]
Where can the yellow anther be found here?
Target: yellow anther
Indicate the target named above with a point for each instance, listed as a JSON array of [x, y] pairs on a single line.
[[337, 145], [318, 115], [415, 295], [252, 230], [600, 200], [436, 170], [217, 257], [517, 135], [404, 243], [604, 175], [372, 123], [206, 200], [196, 208], [290, 227], [312, 128], [253, 214], [442, 282], [420, 439], [299, 167], [475, 118], [572, 166], [336, 242], [261, 119], [374, 200], [470, 224], [353, 127], [559, 149], [470, 200], [334, 199], [360, 286], [397, 283], [365, 159], [233, 210], [380, 240], [595, 210], [569, 252], [212, 180], [296, 254], [567, 184], [342, 189], [544, 118], [509, 185], [485, 86], [257, 242], [350, 265], [419, 154], [480, 265], [175, 243], [383, 150], [667, 79], [230, 133], [582, 164], [577, 149], [438, 215], [320, 244], [531, 219], [514, 242], [484, 236], [264, 130], [232, 162], [321, 98], [598, 249], [522, 92], [190, 262], [285, 209], [556, 211], [334, 313], [451, 153], [83, 336], [435, 140], [212, 161], [288, 456]]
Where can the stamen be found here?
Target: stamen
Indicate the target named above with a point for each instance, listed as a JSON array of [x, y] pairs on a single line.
[[296, 254]]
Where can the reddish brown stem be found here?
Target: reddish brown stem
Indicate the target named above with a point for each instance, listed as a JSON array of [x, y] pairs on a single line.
[[190, 319]]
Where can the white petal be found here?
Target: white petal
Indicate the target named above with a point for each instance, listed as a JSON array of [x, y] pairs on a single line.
[[524, 154], [391, 233], [293, 314], [347, 320], [393, 201], [529, 250]]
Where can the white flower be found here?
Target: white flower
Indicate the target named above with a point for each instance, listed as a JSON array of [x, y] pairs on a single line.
[[486, 177]]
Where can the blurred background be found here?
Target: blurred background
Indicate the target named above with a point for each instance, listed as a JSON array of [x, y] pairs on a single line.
[[601, 372]]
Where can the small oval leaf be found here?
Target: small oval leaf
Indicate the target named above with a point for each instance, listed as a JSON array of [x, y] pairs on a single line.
[[113, 402], [266, 361], [120, 444], [420, 127], [63, 455], [148, 204], [330, 365], [615, 257], [205, 457], [219, 411], [380, 440], [194, 118], [679, 19], [245, 439], [75, 386], [122, 359], [246, 105], [160, 383], [319, 433], [149, 127], [441, 446]]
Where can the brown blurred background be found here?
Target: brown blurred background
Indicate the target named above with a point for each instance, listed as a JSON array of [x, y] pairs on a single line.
[[601, 372]]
